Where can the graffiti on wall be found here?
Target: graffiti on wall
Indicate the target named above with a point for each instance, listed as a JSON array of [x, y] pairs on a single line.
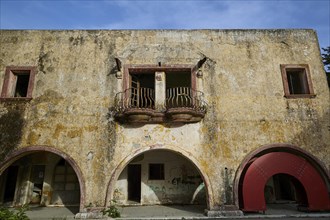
[[192, 180], [181, 175]]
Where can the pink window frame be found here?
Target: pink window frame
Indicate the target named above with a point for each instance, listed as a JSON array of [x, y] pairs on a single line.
[[10, 81], [305, 67]]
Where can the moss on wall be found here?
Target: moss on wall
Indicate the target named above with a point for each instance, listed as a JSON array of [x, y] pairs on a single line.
[[11, 126]]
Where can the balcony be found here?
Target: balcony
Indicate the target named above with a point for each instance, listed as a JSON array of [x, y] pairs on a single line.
[[135, 105], [184, 104], [181, 104]]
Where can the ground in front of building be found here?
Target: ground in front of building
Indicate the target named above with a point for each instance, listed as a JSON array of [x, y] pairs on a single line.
[[275, 211]]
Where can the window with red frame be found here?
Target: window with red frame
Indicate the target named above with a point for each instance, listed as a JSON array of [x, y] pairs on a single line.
[[18, 82]]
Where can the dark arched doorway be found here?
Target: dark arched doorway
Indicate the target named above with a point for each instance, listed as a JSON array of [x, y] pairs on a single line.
[[307, 182], [40, 176], [285, 189]]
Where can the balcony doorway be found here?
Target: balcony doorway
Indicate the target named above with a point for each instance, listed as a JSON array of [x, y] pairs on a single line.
[[142, 90]]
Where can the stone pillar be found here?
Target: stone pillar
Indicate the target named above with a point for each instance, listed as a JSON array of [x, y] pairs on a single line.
[[160, 90], [24, 185], [47, 190], [144, 179]]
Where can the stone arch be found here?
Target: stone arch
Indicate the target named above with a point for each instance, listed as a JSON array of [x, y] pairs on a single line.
[[117, 171], [15, 155], [283, 156]]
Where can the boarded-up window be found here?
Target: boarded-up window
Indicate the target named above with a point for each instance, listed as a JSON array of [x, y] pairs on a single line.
[[65, 184]]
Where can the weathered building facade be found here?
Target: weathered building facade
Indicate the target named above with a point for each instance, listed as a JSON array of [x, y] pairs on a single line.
[[233, 119]]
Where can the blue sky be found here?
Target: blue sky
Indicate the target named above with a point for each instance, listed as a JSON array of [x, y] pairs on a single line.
[[167, 14]]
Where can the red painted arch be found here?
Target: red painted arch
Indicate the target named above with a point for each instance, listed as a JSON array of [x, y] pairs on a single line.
[[267, 165]]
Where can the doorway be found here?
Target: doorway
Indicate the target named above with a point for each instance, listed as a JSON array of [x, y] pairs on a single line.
[[134, 182], [38, 173], [283, 188], [10, 185]]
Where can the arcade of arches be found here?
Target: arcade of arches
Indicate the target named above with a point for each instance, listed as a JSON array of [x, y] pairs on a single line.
[[166, 177]]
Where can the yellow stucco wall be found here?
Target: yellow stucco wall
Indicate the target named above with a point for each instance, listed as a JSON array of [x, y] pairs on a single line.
[[75, 87]]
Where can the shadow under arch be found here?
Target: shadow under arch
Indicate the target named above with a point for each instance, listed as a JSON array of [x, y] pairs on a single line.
[[15, 155], [314, 162], [117, 171]]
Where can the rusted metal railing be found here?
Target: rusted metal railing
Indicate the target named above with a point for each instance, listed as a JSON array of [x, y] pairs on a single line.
[[185, 97], [143, 98]]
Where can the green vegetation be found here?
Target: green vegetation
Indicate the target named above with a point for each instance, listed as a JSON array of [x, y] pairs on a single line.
[[18, 214], [112, 211], [326, 62]]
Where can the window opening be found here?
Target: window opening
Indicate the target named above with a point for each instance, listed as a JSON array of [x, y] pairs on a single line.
[[297, 81], [178, 89], [22, 85], [142, 91], [18, 82], [64, 177], [156, 172]]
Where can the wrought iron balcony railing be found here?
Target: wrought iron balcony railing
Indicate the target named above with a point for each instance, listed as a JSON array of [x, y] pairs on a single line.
[[179, 100], [142, 98], [185, 97]]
